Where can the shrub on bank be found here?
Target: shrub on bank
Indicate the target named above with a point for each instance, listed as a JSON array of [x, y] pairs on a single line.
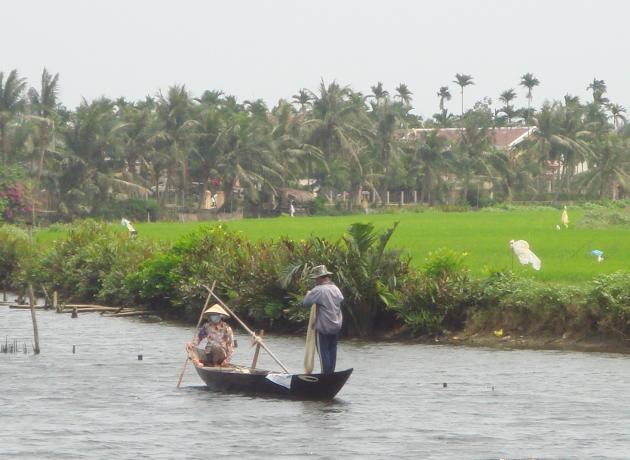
[[15, 251], [265, 282], [608, 303], [436, 298], [524, 306], [91, 263]]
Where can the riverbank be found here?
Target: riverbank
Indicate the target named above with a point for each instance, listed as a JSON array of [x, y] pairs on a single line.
[[264, 282], [402, 334], [565, 342]]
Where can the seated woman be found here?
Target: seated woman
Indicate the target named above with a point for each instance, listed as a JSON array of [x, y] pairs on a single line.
[[217, 337]]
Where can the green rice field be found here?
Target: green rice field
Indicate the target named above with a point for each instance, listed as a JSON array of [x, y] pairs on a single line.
[[483, 236]]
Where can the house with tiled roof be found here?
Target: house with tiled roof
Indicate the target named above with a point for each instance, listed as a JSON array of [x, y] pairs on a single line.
[[503, 138]]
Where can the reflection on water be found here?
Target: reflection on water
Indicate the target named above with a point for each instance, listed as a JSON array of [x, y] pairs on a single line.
[[102, 402]]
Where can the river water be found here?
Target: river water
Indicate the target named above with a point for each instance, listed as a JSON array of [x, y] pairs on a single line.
[[104, 403]]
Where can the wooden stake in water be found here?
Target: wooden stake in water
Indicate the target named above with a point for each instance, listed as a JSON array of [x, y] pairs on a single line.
[[31, 296], [257, 352]]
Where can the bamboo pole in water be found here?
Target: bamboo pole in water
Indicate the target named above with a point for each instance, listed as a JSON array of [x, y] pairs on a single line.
[[31, 296], [203, 310]]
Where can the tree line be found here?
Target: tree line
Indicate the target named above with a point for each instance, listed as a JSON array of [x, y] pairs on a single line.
[[173, 146]]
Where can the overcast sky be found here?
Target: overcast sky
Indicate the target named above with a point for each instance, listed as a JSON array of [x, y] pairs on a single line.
[[270, 49]]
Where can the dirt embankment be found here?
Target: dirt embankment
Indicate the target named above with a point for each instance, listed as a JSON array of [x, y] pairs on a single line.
[[498, 340]]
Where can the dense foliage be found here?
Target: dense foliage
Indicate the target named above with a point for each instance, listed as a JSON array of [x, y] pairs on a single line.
[[173, 147], [14, 256], [264, 281]]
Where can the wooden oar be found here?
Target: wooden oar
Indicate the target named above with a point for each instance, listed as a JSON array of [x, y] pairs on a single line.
[[256, 338], [203, 310]]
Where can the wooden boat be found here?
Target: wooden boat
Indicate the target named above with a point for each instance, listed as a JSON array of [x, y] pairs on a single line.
[[251, 380], [241, 379]]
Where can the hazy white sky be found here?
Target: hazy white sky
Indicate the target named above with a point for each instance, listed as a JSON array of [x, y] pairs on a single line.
[[270, 49]]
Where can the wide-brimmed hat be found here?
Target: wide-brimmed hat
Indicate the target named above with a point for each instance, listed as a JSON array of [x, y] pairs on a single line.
[[319, 271], [216, 308]]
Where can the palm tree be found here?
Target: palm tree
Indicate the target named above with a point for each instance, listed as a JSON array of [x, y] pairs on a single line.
[[11, 103], [209, 142], [430, 163], [443, 119], [463, 80], [379, 93], [571, 101], [210, 97], [560, 136], [44, 103], [385, 143], [247, 158], [404, 94], [506, 174], [338, 127], [303, 98], [506, 97], [445, 95], [530, 82], [609, 167], [473, 148], [88, 170], [173, 112], [367, 273], [137, 145], [617, 111], [598, 87]]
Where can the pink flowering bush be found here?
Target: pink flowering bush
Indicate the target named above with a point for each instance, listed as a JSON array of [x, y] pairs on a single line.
[[13, 201]]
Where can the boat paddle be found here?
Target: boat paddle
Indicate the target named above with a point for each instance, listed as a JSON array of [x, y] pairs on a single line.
[[203, 310], [252, 333]]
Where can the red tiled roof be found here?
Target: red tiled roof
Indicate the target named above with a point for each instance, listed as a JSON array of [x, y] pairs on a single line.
[[504, 137]]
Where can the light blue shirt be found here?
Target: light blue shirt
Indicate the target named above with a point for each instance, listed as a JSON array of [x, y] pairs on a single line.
[[328, 299]]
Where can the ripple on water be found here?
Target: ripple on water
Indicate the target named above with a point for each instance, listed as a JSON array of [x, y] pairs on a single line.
[[101, 402]]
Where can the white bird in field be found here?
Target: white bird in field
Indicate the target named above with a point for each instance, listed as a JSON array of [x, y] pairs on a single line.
[[564, 218], [525, 256]]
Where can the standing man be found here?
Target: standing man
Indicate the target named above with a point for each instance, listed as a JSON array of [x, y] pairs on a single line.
[[327, 297]]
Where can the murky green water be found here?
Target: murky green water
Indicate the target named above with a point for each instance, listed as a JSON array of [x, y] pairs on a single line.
[[103, 403]]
